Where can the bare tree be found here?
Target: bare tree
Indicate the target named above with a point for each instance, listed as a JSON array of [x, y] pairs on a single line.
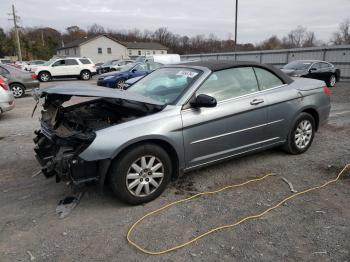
[[299, 37], [342, 36], [95, 29]]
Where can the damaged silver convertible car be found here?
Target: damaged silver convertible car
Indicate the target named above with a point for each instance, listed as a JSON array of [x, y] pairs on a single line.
[[176, 119]]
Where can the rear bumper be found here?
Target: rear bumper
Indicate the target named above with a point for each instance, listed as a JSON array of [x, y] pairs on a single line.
[[7, 102], [32, 84]]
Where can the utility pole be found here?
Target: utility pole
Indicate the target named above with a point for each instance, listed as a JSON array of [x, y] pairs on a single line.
[[15, 18], [236, 18]]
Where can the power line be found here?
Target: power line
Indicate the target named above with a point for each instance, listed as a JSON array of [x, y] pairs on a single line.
[[15, 19]]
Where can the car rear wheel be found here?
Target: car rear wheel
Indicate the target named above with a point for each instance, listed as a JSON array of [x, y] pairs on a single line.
[[85, 75], [44, 77], [301, 135], [120, 84], [141, 174], [17, 90], [332, 81]]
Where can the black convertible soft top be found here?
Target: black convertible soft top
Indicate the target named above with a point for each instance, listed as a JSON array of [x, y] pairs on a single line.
[[217, 65]]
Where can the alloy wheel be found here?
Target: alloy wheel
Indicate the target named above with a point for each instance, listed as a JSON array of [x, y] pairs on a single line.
[[303, 134], [17, 91], [44, 77], [332, 81], [121, 84], [144, 176], [85, 76]]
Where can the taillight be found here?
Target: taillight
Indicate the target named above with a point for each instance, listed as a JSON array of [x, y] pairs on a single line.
[[327, 91], [3, 85], [34, 76]]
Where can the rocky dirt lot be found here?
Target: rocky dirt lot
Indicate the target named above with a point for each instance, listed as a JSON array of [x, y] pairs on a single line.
[[313, 227]]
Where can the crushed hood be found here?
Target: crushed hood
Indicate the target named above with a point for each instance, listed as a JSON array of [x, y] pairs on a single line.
[[86, 90]]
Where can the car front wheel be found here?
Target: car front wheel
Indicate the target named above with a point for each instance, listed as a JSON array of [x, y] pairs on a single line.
[[141, 174], [301, 135], [120, 84]]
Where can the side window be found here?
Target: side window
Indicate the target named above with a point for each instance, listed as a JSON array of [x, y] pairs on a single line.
[[99, 50], [59, 63], [85, 61], [230, 83], [71, 62], [325, 65], [316, 65], [267, 79]]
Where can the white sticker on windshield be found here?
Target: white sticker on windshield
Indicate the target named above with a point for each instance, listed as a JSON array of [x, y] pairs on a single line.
[[189, 74]]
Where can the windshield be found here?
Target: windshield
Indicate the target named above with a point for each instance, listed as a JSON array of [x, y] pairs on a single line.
[[165, 84], [297, 65], [50, 62], [127, 67]]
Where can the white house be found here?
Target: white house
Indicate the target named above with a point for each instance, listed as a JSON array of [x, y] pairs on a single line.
[[103, 48]]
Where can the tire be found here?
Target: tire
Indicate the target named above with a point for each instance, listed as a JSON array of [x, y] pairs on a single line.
[[331, 81], [134, 182], [44, 76], [85, 75], [18, 90], [120, 84], [301, 135]]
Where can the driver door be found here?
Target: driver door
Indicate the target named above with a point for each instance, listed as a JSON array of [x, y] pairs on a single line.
[[233, 127], [58, 68]]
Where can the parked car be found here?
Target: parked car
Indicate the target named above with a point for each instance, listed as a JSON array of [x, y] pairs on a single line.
[[98, 67], [104, 68], [119, 65], [176, 119], [117, 79], [19, 80], [33, 65], [161, 58], [6, 97], [78, 67], [5, 61], [315, 69]]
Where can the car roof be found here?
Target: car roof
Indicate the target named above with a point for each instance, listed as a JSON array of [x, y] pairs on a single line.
[[217, 65]]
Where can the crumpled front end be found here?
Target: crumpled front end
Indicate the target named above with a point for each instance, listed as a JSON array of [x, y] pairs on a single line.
[[66, 131], [60, 156]]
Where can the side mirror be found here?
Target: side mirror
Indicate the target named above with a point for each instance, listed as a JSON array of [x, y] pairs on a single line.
[[312, 69], [134, 70], [204, 101]]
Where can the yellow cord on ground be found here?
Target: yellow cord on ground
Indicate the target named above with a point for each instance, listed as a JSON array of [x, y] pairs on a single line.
[[224, 226]]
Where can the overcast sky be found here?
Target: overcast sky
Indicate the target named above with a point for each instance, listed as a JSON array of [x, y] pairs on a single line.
[[258, 19]]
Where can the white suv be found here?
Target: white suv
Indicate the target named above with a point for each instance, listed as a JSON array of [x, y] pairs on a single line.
[[80, 67]]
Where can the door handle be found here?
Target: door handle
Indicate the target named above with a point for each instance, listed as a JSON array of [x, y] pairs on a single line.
[[256, 102]]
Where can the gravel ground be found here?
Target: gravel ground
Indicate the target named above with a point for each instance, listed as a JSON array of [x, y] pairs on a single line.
[[313, 227]]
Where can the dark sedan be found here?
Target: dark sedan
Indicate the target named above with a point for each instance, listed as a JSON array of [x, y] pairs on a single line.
[[315, 69], [117, 79]]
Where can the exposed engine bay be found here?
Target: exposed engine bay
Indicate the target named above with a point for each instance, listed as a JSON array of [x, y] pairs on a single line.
[[66, 131]]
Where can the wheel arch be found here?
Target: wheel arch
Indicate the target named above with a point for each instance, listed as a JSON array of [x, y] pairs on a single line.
[[17, 83], [313, 112], [168, 147], [81, 71]]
